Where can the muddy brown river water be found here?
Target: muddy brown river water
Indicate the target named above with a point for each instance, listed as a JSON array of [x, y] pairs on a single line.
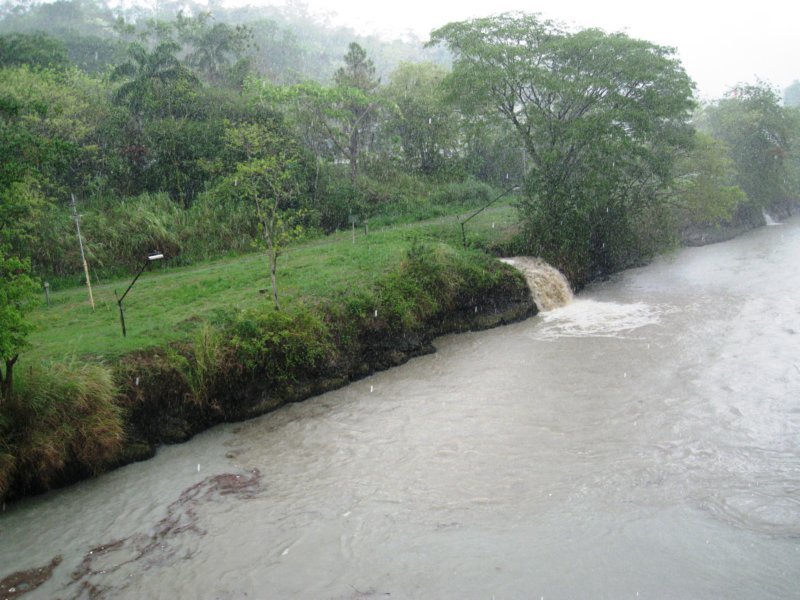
[[641, 442]]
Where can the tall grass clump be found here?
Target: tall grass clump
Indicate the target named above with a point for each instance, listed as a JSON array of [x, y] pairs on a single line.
[[221, 221], [202, 365], [60, 419], [125, 232], [117, 235]]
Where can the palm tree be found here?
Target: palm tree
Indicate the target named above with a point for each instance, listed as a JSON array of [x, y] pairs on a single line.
[[150, 77], [215, 48]]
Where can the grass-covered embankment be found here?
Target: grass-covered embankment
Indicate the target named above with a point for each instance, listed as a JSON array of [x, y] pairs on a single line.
[[205, 347]]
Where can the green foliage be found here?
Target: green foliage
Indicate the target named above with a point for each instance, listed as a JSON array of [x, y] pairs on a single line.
[[337, 198], [600, 115], [358, 71], [125, 233], [18, 295], [433, 279], [758, 132], [221, 221], [426, 125], [704, 191], [281, 346], [155, 82], [35, 50], [271, 183], [47, 133], [203, 365], [59, 416], [215, 50]]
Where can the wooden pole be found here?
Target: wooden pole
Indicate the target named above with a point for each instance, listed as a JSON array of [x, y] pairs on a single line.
[[83, 255]]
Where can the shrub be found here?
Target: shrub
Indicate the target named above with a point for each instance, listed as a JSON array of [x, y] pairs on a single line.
[[281, 346]]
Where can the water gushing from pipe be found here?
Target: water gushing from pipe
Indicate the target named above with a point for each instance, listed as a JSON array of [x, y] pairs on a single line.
[[548, 285]]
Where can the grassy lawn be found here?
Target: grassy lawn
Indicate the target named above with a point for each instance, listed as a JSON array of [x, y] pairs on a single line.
[[166, 304]]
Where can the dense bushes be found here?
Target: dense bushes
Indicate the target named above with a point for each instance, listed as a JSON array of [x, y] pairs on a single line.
[[280, 346]]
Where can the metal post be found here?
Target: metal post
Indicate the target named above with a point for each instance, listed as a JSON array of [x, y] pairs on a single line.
[[479, 211], [150, 259]]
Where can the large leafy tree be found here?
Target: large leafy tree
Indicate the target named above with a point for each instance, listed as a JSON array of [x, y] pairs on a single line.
[[33, 49], [425, 124], [600, 116], [704, 191], [759, 133]]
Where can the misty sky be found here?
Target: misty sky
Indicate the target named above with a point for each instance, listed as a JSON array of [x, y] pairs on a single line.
[[720, 44]]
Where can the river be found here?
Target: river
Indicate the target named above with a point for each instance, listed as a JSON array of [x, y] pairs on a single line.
[[641, 442]]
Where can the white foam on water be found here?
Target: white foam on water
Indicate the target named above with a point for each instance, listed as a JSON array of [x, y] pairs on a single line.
[[591, 318]]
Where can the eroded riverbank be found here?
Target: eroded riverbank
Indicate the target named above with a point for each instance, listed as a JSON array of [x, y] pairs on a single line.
[[642, 441]]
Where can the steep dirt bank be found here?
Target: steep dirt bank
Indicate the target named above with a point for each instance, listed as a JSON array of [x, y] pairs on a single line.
[[157, 398], [161, 405]]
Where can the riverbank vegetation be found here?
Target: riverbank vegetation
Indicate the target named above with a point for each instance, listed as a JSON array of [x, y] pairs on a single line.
[[308, 188]]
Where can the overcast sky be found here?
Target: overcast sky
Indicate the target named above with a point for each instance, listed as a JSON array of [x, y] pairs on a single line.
[[720, 44]]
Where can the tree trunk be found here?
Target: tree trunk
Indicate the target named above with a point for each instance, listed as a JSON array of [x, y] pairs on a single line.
[[273, 267], [354, 151], [7, 382]]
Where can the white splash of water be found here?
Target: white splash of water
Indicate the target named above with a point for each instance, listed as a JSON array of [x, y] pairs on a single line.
[[591, 318], [769, 220]]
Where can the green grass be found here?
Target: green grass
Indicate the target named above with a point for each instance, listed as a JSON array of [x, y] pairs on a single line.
[[169, 304]]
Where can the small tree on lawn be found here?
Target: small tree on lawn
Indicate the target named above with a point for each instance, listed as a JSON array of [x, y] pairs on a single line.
[[272, 184]]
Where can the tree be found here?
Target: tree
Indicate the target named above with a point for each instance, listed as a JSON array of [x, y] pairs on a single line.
[[705, 190], [271, 183], [17, 297], [37, 50], [155, 81], [214, 49], [758, 131], [269, 176], [424, 122], [600, 116], [355, 83]]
